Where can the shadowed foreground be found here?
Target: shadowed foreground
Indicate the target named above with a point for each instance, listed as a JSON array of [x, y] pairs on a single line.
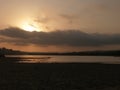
[[16, 76]]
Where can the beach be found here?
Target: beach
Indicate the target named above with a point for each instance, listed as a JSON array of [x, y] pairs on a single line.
[[59, 76]]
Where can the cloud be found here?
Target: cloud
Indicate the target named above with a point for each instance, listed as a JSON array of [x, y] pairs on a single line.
[[14, 33], [72, 38]]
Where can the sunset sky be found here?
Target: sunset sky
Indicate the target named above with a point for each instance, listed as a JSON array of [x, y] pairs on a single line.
[[60, 25]]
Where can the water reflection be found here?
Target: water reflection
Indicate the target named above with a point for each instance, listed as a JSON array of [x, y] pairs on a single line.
[[60, 59], [25, 59], [35, 60]]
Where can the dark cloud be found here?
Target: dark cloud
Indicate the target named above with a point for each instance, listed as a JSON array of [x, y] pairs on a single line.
[[73, 38], [14, 33]]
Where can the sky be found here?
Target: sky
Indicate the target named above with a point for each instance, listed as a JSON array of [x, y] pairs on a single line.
[[60, 25]]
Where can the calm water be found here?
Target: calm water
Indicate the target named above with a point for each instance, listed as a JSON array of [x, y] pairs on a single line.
[[67, 59]]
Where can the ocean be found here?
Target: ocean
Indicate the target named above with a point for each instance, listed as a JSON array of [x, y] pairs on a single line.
[[65, 59]]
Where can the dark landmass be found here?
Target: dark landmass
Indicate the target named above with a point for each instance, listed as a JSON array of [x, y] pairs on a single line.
[[85, 53], [82, 53], [10, 51], [59, 76]]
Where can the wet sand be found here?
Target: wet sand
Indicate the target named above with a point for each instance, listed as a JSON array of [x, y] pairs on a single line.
[[59, 76]]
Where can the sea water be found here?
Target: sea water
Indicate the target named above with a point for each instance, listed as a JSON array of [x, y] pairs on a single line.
[[66, 59]]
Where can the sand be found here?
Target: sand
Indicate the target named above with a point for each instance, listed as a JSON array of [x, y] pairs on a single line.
[[59, 76]]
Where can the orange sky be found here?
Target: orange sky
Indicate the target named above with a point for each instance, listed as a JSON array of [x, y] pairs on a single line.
[[88, 16]]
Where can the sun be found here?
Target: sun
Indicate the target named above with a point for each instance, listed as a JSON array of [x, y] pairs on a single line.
[[30, 27]]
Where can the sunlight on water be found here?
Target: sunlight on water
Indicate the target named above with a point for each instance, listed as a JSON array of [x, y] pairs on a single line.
[[35, 60], [31, 58], [65, 59]]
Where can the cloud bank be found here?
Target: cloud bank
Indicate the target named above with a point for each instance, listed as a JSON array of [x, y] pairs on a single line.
[[72, 38]]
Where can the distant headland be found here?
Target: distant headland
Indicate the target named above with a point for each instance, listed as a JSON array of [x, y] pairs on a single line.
[[6, 51]]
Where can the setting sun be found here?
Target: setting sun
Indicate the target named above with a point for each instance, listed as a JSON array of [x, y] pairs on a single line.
[[30, 27]]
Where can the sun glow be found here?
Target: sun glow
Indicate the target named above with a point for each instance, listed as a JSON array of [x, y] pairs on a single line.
[[30, 27]]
